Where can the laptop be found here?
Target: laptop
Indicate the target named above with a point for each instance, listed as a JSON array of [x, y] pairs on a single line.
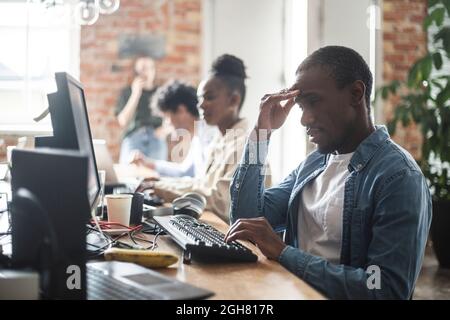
[[105, 163], [114, 280]]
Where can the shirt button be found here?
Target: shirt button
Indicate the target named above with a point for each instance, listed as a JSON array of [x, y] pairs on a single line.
[[237, 185], [359, 167]]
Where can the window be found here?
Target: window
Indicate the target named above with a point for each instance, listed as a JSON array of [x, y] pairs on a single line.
[[292, 138], [36, 42]]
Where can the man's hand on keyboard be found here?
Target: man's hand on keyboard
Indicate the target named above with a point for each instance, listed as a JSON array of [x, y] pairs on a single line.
[[260, 232]]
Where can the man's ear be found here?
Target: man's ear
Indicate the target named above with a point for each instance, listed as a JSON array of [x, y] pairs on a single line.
[[358, 93]]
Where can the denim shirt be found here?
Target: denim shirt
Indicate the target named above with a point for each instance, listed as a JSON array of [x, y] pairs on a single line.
[[386, 218]]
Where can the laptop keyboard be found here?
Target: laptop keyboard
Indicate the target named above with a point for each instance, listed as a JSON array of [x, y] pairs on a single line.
[[104, 287]]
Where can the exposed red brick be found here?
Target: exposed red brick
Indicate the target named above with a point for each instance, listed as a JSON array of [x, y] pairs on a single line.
[[389, 36], [404, 41], [98, 55], [394, 58], [405, 46]]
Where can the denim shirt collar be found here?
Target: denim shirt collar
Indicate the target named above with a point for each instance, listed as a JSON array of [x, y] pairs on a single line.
[[367, 149]]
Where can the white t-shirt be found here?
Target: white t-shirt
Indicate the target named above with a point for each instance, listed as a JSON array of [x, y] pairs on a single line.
[[320, 210]]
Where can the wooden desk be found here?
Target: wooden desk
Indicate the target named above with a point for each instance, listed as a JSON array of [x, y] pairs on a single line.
[[265, 279]]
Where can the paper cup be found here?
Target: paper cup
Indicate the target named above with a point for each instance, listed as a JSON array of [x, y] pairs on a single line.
[[119, 207]]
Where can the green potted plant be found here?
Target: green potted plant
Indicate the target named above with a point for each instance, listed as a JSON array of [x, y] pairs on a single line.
[[424, 98]]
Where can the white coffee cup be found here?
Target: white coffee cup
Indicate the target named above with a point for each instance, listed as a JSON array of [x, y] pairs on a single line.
[[119, 208]]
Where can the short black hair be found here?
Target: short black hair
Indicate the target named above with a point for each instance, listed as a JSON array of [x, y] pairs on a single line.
[[231, 70], [345, 65], [170, 96]]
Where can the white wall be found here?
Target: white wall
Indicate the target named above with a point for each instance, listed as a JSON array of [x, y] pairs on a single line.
[[345, 23], [253, 31], [256, 31], [262, 33]]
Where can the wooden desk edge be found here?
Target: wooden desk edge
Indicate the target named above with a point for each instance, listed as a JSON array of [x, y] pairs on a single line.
[[265, 276]]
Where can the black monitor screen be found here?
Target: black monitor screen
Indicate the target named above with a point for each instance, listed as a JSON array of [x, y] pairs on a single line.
[[83, 133]]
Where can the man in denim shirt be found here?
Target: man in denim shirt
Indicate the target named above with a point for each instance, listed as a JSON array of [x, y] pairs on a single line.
[[357, 211]]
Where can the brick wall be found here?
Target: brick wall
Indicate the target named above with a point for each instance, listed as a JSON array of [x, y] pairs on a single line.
[[103, 73], [404, 41]]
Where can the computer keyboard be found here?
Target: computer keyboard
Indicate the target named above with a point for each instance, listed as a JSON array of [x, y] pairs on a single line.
[[203, 241], [104, 287]]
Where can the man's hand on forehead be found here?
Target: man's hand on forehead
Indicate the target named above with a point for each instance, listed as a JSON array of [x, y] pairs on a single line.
[[281, 95]]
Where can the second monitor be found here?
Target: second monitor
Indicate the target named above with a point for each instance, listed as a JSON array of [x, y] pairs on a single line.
[[71, 128]]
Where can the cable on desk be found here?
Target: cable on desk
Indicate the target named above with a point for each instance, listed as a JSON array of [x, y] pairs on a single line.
[[156, 237], [114, 241], [150, 227], [99, 249], [132, 232], [134, 237], [106, 225]]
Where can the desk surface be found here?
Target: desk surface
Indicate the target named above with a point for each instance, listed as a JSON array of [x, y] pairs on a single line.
[[264, 279]]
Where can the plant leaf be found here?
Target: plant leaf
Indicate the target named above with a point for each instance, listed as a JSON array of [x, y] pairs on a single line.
[[415, 113], [427, 22], [384, 93], [444, 35], [437, 59], [443, 96], [391, 127], [395, 84], [426, 66], [438, 16], [432, 3], [447, 6], [414, 74]]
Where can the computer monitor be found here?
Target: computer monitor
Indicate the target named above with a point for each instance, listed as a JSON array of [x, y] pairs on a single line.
[[71, 128]]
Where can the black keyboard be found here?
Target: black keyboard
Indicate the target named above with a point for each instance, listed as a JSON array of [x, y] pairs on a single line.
[[202, 241], [104, 287]]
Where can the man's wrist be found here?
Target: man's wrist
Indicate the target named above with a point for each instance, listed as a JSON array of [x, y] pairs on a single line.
[[282, 252], [256, 151], [260, 135]]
